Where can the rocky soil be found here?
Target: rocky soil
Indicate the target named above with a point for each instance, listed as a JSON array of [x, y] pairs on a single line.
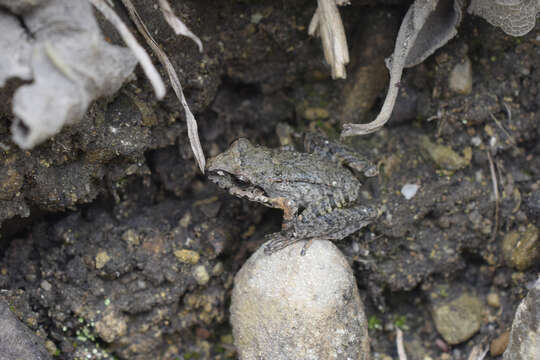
[[114, 245]]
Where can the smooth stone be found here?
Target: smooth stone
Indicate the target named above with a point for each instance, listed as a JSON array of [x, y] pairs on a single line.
[[499, 344], [288, 306]]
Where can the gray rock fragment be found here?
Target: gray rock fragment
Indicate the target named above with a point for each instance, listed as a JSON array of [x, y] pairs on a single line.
[[525, 335], [68, 60], [514, 17], [16, 340], [287, 306]]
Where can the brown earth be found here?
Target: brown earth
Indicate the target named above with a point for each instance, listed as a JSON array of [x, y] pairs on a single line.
[[111, 240]]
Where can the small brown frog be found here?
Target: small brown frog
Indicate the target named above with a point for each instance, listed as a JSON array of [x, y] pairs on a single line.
[[317, 190]]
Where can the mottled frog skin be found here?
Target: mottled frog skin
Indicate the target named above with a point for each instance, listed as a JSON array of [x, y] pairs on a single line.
[[315, 190]]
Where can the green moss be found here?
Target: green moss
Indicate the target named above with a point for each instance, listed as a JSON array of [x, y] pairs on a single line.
[[401, 322], [374, 323], [443, 292]]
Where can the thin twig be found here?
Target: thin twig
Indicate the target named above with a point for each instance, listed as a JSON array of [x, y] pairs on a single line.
[[151, 73], [477, 353], [399, 343], [512, 141], [508, 111], [496, 193], [175, 82]]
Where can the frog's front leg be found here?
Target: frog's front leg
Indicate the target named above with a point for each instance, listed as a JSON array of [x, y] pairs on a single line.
[[339, 153], [289, 207]]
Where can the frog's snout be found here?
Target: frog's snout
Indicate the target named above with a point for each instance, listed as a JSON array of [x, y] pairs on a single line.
[[226, 161], [229, 160]]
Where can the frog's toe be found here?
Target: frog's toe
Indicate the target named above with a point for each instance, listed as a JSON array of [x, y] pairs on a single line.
[[278, 241], [369, 212], [371, 171]]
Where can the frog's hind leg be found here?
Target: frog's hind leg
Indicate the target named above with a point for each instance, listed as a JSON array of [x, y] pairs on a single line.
[[314, 143]]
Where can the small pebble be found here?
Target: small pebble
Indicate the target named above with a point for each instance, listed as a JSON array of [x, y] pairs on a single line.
[[187, 256], [45, 285], [409, 190], [460, 80], [499, 344], [102, 258], [131, 237], [476, 141], [446, 356], [493, 300], [201, 275], [521, 249], [217, 269], [459, 319], [51, 347]]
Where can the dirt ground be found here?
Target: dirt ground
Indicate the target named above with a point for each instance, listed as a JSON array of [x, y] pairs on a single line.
[[114, 245]]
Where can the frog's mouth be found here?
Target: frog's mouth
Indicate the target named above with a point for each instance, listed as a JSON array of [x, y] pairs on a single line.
[[237, 187]]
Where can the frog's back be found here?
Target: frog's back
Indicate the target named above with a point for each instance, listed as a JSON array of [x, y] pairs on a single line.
[[308, 178]]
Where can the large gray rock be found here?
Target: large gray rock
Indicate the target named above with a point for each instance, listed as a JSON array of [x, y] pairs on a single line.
[[288, 306], [525, 335], [16, 340]]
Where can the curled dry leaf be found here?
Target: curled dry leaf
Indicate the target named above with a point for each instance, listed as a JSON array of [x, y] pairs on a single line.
[[514, 17], [427, 26], [15, 41], [67, 59]]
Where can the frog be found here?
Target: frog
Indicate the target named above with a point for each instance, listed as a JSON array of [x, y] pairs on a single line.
[[317, 189]]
